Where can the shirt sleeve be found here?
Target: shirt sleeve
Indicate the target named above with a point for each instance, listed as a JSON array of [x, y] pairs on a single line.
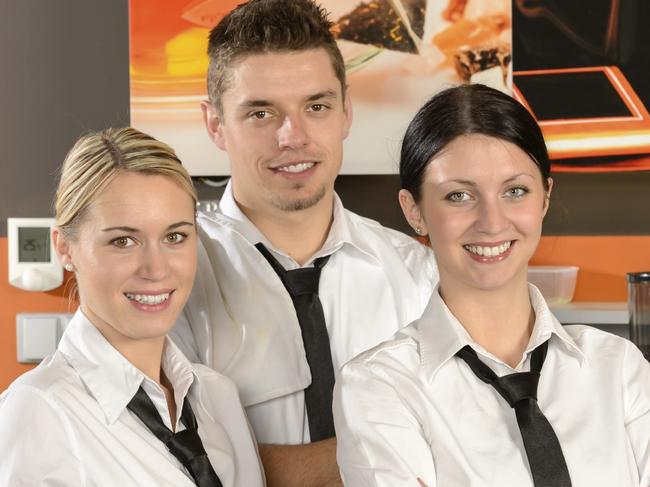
[[380, 439], [636, 387], [36, 444]]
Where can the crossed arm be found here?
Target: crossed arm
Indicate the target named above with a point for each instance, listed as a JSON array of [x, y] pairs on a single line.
[[310, 465]]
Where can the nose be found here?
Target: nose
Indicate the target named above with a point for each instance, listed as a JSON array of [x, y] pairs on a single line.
[[292, 134], [492, 217], [153, 263]]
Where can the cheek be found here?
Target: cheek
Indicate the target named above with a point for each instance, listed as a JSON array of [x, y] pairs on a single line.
[[101, 271], [530, 219], [447, 226], [184, 265]]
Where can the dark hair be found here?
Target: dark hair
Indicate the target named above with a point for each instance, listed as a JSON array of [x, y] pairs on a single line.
[[463, 110], [263, 26]]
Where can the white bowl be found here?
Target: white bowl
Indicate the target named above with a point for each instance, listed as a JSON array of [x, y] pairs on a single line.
[[556, 283]]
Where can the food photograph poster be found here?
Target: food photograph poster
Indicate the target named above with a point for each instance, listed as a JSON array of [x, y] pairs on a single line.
[[398, 53]]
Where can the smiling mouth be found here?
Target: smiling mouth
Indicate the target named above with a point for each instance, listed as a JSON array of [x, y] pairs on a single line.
[[485, 251], [149, 299], [295, 168]]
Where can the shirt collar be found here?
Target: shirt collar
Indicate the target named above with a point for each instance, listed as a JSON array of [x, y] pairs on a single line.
[[109, 377], [230, 208], [342, 231], [440, 335]]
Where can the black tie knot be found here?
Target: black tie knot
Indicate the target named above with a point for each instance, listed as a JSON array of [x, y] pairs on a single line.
[[298, 282], [302, 281], [186, 445], [517, 387]]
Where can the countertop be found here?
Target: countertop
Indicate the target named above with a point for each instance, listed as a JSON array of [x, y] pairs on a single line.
[[592, 313]]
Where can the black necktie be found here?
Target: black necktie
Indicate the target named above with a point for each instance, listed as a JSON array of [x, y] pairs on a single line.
[[543, 449], [185, 445], [302, 285]]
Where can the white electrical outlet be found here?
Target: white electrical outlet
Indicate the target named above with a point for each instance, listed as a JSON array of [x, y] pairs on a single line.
[[38, 334]]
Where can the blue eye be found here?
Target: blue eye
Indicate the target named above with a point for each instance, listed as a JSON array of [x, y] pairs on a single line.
[[517, 192]]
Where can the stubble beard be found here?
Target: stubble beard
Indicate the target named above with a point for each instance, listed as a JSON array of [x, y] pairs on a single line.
[[299, 204]]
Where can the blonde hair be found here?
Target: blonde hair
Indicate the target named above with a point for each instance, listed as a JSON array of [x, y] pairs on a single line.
[[97, 158]]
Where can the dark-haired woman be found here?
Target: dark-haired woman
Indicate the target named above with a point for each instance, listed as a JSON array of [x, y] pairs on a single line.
[[487, 388]]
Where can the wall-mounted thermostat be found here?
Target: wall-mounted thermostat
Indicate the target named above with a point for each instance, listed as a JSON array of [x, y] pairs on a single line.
[[33, 264]]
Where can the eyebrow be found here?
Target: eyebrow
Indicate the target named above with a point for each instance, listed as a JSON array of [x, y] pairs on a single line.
[[467, 182], [323, 94], [265, 103], [173, 226]]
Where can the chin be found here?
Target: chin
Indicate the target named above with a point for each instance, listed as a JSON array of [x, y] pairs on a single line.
[[156, 323], [493, 282], [299, 203]]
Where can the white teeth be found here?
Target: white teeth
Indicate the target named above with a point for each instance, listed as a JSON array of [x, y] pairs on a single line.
[[303, 166], [149, 299], [488, 251]]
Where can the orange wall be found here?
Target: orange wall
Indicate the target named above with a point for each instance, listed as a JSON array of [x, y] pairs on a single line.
[[603, 262], [12, 301]]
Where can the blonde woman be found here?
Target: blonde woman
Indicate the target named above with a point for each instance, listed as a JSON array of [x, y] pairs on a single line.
[[117, 403]]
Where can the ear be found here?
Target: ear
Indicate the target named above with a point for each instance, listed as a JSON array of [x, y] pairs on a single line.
[[213, 122], [547, 197], [412, 211], [61, 247], [347, 113]]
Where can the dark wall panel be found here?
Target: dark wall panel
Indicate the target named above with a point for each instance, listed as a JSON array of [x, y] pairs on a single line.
[[581, 204], [64, 72]]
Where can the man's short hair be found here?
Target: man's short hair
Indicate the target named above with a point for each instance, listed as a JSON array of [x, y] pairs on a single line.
[[267, 26]]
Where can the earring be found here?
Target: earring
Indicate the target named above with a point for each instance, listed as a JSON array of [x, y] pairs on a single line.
[[418, 230], [69, 267]]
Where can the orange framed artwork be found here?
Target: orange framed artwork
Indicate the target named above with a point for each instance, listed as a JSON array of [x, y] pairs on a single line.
[[583, 70]]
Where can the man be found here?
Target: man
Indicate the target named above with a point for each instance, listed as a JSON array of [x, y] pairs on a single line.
[[279, 107]]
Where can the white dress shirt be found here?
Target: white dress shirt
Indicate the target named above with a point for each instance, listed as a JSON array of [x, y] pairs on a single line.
[[375, 281], [66, 422], [409, 408]]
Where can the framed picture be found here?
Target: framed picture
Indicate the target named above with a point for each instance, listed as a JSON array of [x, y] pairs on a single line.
[[593, 111], [583, 70]]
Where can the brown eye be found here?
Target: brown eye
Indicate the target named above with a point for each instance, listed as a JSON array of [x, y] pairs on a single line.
[[122, 242], [175, 237]]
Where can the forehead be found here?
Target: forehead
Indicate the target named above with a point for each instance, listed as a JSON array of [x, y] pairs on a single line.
[[281, 76], [480, 158], [140, 199]]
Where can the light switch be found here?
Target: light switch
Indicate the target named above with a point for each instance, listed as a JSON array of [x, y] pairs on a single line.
[[38, 335]]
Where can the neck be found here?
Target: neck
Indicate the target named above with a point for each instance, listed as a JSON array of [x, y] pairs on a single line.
[[299, 234], [145, 354], [501, 320]]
